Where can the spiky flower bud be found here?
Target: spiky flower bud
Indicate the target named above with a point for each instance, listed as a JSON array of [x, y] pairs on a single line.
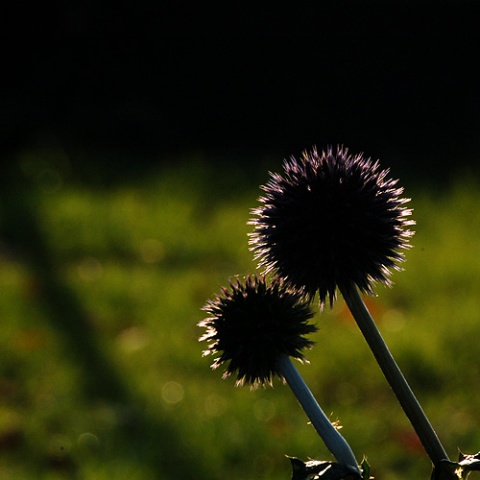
[[251, 324], [331, 219]]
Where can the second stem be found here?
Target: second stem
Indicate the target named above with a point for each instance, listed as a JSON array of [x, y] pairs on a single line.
[[393, 374]]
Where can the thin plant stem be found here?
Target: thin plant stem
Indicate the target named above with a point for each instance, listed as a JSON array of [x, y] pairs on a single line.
[[337, 445], [394, 376]]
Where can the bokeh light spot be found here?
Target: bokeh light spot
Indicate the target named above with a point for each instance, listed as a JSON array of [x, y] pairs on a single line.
[[172, 392], [264, 410], [88, 441], [132, 339], [59, 445]]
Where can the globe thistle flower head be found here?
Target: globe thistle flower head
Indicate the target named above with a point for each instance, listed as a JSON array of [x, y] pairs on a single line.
[[331, 219], [251, 324]]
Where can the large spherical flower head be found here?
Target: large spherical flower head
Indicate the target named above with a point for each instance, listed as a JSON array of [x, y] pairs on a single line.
[[251, 324], [331, 219]]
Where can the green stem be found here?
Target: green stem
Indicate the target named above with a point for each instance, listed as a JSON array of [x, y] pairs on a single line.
[[330, 435], [394, 376]]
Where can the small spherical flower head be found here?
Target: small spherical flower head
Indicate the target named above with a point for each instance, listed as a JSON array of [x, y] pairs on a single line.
[[331, 219], [251, 324]]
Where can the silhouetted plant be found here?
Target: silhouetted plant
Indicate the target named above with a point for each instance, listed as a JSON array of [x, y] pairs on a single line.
[[254, 327], [252, 324], [331, 221]]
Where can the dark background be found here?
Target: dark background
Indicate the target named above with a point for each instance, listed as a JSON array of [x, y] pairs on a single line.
[[151, 79]]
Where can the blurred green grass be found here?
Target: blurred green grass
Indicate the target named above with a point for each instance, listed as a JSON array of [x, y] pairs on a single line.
[[101, 372]]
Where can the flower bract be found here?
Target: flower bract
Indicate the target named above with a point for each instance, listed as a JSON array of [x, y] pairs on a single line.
[[251, 324], [331, 219]]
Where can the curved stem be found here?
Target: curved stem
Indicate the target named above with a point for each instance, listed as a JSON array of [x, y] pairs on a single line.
[[394, 376], [330, 435]]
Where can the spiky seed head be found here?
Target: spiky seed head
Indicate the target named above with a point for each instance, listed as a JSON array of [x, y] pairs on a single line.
[[251, 324], [331, 219]]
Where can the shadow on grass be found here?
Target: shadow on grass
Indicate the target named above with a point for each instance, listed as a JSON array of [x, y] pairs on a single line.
[[156, 445]]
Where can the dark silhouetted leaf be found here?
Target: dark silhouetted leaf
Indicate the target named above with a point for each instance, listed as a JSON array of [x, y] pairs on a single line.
[[469, 462], [447, 470], [365, 469], [321, 470]]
